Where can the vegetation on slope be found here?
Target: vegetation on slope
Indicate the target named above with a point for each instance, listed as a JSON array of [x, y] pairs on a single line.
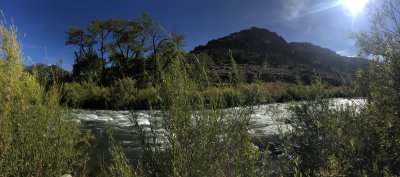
[[262, 55]]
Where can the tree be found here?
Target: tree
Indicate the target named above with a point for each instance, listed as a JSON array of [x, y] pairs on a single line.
[[119, 48], [86, 58], [382, 45], [382, 76], [101, 30]]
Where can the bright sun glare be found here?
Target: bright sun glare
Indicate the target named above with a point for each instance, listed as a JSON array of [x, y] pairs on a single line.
[[354, 6]]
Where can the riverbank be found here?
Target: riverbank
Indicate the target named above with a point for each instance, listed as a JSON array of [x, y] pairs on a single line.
[[88, 95]]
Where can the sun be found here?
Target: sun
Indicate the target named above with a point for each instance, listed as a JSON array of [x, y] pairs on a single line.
[[354, 6]]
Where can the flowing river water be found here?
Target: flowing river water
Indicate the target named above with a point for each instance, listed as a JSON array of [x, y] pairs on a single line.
[[267, 121]]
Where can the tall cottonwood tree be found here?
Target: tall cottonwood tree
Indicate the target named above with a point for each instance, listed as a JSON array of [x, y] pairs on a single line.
[[118, 48], [85, 56]]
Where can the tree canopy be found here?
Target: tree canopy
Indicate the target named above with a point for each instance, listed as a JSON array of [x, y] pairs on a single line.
[[118, 48]]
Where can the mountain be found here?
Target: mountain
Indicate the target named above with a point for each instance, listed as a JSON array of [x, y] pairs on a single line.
[[262, 55]]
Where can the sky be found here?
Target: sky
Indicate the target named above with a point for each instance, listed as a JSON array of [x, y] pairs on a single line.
[[42, 23]]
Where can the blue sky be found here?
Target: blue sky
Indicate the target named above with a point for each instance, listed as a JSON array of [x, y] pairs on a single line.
[[42, 23]]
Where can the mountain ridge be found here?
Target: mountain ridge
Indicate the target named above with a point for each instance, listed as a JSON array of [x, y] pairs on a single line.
[[265, 56]]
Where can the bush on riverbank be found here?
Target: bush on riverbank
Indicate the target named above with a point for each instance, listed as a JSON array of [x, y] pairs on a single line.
[[37, 137], [86, 95], [327, 140], [124, 94]]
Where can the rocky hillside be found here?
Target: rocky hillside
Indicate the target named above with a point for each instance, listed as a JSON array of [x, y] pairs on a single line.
[[262, 55]]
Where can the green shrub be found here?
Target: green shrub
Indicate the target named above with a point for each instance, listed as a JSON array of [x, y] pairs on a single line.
[[37, 137], [323, 133], [344, 141], [317, 90], [254, 94], [86, 95], [72, 94], [146, 99], [123, 93]]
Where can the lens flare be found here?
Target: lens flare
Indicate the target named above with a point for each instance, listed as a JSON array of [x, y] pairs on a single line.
[[354, 6]]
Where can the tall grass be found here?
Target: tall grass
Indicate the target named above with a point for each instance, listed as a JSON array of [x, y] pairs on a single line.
[[36, 136]]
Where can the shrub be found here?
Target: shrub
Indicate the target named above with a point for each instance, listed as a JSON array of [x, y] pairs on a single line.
[[37, 138], [254, 94], [147, 99], [123, 93], [86, 95], [323, 133]]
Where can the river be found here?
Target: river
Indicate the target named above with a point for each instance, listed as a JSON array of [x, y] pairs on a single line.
[[267, 121]]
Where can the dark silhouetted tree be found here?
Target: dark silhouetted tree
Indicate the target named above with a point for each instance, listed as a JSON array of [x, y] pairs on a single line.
[[119, 48]]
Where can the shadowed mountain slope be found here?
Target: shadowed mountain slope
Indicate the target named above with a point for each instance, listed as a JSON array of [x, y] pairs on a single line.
[[262, 55]]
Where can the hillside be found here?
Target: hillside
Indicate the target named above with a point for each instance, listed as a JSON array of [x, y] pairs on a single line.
[[262, 55]]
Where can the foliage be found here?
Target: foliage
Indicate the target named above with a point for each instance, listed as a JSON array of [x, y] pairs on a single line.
[[121, 166], [116, 48], [349, 141], [86, 95], [37, 136], [323, 133], [382, 78], [49, 75], [124, 93]]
